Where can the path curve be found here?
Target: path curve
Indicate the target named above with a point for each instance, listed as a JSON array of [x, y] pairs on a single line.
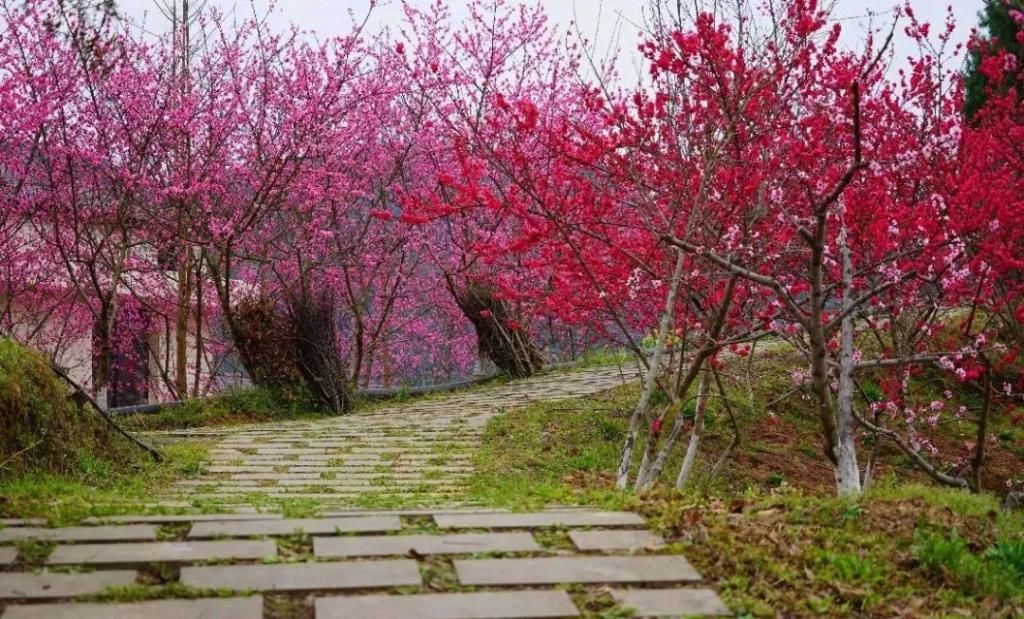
[[410, 454]]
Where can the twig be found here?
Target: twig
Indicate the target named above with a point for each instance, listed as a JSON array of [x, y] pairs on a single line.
[[152, 451], [734, 445], [14, 457]]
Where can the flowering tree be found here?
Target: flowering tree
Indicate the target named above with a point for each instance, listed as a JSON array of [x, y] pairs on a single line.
[[390, 203]]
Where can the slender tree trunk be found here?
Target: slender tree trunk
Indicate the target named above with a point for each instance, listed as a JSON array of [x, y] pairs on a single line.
[[650, 470], [199, 329], [846, 467], [978, 461], [734, 445], [181, 330], [651, 380], [695, 435], [819, 346], [104, 352]]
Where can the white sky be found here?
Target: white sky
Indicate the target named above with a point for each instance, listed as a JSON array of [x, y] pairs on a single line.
[[597, 18]]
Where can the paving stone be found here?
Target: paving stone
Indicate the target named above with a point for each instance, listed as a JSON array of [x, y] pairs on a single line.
[[487, 605], [238, 608], [161, 552], [312, 526], [557, 570], [381, 545], [615, 540], [452, 509], [131, 532], [539, 519], [273, 476], [304, 576], [238, 469], [343, 480], [181, 518], [16, 586], [232, 496], [8, 555], [671, 602], [22, 522]]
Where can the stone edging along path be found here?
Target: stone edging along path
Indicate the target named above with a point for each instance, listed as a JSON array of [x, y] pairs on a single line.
[[468, 564], [412, 454]]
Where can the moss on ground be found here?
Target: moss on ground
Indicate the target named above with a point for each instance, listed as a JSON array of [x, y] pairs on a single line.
[[44, 431]]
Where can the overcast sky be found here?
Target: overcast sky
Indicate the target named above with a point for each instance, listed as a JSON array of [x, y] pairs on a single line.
[[596, 18]]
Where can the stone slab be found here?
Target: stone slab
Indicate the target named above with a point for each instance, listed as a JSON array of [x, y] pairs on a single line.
[[180, 518], [16, 586], [538, 519], [311, 526], [382, 545], [558, 570], [616, 540], [671, 602], [488, 605], [161, 552], [238, 608], [8, 555], [304, 576], [119, 533]]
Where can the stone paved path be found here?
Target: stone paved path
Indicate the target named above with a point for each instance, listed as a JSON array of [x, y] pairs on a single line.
[[406, 454], [442, 561], [469, 564]]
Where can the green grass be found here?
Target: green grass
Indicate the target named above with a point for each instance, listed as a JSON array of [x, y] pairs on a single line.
[[528, 455], [233, 406], [996, 571], [601, 357], [770, 541], [98, 490], [44, 429]]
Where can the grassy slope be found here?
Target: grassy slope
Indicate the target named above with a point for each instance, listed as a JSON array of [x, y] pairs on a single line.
[[97, 488], [767, 530], [232, 407]]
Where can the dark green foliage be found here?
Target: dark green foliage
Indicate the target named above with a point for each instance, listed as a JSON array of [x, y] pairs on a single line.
[[42, 429], [233, 406], [995, 572], [1000, 33]]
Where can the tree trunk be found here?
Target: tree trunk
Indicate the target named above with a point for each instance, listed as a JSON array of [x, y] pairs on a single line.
[[651, 380], [846, 467], [649, 470], [181, 331], [978, 461], [199, 330], [508, 347], [695, 435]]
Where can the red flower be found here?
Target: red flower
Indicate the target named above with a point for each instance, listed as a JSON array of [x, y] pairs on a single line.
[[485, 313]]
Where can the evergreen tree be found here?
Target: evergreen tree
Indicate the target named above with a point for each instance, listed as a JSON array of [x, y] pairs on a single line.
[[1001, 23]]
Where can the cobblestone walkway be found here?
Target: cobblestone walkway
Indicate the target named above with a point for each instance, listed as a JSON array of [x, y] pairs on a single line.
[[408, 454], [468, 564]]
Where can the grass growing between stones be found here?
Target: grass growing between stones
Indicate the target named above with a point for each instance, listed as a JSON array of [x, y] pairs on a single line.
[[767, 531], [98, 490]]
